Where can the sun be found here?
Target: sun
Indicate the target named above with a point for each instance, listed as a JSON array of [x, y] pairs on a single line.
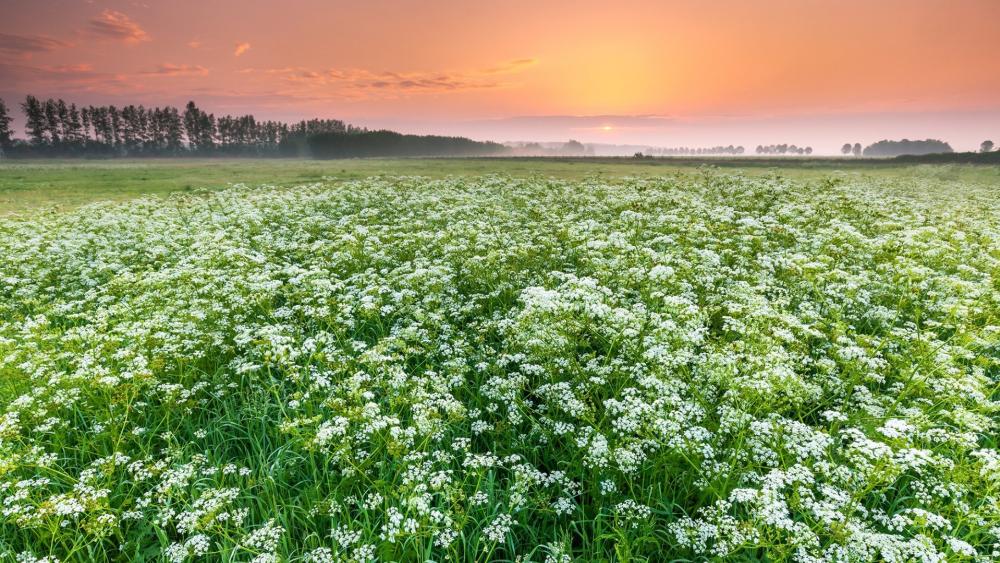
[[606, 128]]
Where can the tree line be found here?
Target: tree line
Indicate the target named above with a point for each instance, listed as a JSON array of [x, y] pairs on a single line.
[[887, 148], [783, 148], [56, 128], [688, 151], [390, 143], [569, 148]]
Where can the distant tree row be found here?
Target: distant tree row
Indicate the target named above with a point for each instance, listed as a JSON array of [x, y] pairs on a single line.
[[569, 148], [688, 151], [854, 149], [55, 128], [886, 148], [783, 149], [390, 143]]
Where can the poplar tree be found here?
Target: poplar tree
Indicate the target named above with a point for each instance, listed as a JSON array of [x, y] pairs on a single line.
[[6, 134], [35, 124]]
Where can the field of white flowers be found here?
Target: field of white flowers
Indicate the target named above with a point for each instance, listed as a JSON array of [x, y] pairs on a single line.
[[700, 366]]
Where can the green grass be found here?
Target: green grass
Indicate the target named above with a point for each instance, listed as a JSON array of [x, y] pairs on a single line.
[[28, 185]]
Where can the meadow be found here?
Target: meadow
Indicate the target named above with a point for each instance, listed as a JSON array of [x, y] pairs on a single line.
[[475, 360], [34, 186]]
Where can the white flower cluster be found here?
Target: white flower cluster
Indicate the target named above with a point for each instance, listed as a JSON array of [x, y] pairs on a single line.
[[689, 367]]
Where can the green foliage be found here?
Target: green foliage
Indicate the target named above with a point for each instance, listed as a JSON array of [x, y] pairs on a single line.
[[391, 144]]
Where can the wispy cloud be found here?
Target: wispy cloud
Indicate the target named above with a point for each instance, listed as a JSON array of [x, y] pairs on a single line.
[[241, 48], [75, 69], [355, 83], [170, 69], [360, 80], [194, 44], [27, 44], [511, 66], [69, 78], [116, 25]]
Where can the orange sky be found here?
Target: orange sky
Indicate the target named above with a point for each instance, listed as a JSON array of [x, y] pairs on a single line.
[[665, 73]]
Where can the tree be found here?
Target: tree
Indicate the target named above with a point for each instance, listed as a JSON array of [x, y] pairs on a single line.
[[62, 112], [986, 146], [846, 149], [130, 128], [75, 128], [35, 124], [191, 123], [208, 131], [200, 127], [85, 127], [117, 128], [52, 123], [574, 148], [856, 149], [6, 134], [173, 129]]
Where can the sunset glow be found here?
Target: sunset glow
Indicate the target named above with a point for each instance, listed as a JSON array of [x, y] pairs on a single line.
[[665, 73]]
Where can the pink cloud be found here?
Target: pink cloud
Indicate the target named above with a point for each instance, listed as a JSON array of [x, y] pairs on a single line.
[[116, 25], [170, 69], [27, 44], [241, 48], [511, 66], [69, 78], [361, 83]]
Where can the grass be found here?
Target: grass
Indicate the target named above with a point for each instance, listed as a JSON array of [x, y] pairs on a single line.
[[28, 185]]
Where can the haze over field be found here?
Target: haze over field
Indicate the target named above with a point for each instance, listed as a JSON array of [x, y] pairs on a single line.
[[647, 73]]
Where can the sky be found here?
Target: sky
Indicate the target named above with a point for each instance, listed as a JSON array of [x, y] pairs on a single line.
[[661, 73]]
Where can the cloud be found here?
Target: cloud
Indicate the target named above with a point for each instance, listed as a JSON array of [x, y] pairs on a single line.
[[241, 48], [69, 69], [421, 82], [511, 66], [194, 44], [116, 25], [361, 80], [363, 83], [170, 69], [70, 78], [27, 44]]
